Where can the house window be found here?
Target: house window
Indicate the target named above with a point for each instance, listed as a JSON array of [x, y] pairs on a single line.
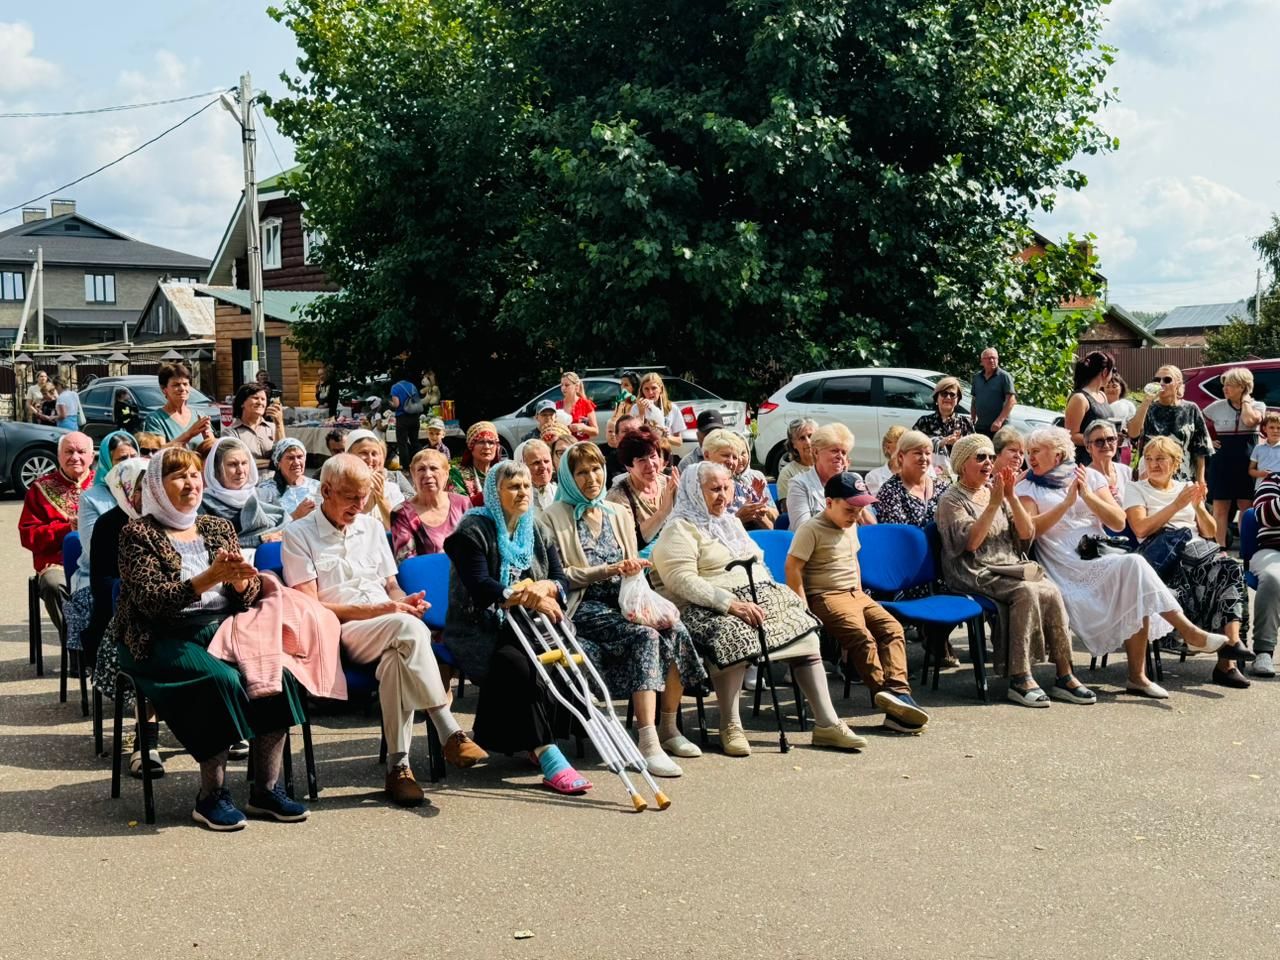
[[271, 244], [99, 288], [312, 240], [12, 286]]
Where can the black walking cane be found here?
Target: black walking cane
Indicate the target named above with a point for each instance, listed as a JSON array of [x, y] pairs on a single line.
[[748, 563]]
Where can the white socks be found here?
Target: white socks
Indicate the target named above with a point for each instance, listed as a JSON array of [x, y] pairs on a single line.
[[442, 719]]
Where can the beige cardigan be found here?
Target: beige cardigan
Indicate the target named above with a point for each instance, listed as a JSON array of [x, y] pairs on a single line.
[[558, 527], [689, 568]]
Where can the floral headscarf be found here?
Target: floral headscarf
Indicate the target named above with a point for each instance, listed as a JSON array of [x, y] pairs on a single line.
[[122, 481], [691, 505]]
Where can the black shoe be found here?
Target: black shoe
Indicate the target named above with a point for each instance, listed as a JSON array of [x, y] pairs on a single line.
[[1239, 652], [1229, 678], [238, 750]]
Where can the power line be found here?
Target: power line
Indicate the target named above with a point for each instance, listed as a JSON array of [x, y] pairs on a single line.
[[114, 109], [267, 134], [112, 163]]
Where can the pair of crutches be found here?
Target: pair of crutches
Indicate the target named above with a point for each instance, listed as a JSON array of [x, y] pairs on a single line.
[[766, 667], [553, 647]]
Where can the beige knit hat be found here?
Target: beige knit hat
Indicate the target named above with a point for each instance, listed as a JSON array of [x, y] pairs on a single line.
[[966, 447]]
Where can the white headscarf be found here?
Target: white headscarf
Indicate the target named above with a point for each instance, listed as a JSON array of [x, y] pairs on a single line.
[[123, 480], [213, 485], [155, 499], [355, 436], [691, 505]]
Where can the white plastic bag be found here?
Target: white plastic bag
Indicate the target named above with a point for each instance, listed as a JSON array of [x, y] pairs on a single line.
[[640, 604]]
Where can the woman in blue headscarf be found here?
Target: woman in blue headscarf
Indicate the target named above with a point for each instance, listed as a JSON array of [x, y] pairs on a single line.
[[597, 545], [116, 447], [499, 560]]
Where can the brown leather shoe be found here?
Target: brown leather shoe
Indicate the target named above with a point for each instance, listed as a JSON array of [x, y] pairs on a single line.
[[402, 789], [461, 751]]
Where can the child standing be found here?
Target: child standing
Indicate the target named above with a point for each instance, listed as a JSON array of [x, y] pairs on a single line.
[[1265, 458]]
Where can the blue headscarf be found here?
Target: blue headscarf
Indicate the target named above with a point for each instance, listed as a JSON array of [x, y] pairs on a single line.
[[104, 456], [516, 549], [567, 488]]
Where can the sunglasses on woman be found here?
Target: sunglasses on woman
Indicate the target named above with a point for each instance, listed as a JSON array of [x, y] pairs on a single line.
[[984, 457], [1104, 442], [1164, 380], [148, 451], [949, 394]]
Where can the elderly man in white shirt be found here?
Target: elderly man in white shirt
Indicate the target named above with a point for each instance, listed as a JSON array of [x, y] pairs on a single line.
[[536, 455], [339, 555]]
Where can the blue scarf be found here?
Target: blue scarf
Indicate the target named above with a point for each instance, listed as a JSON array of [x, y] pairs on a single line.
[[567, 490], [1056, 479], [104, 455], [515, 549]]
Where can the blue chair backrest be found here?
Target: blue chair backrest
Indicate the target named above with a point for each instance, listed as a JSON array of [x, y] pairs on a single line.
[[1248, 535], [894, 557], [773, 492], [775, 544], [429, 573], [268, 559], [71, 550], [783, 522]]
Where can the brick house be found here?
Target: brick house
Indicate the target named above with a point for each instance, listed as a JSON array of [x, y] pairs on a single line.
[[96, 279]]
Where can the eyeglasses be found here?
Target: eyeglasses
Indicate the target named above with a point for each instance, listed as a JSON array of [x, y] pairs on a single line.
[[149, 451], [984, 457], [1164, 380], [487, 443], [949, 394], [1104, 442]]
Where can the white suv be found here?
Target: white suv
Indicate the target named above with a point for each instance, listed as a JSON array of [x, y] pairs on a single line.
[[867, 400]]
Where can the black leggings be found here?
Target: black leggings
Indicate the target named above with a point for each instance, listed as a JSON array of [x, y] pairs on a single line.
[[515, 709]]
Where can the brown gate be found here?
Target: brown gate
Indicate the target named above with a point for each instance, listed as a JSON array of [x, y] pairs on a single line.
[[1138, 364]]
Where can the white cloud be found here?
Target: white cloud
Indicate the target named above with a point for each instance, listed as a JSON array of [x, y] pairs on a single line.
[[19, 68]]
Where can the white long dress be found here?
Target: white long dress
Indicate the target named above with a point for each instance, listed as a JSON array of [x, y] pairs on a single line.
[[1106, 598]]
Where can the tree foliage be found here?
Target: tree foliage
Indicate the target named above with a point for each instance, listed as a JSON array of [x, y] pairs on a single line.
[[1252, 336], [744, 189]]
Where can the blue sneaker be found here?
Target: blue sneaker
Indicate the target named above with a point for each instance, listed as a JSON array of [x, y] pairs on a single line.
[[901, 707], [217, 812], [276, 804]]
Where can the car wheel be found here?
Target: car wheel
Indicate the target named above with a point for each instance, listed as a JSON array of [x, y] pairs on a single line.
[[774, 461], [30, 466], [507, 452]]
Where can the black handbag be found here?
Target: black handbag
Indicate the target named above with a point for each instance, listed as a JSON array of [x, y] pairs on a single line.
[[1093, 545], [1163, 549]]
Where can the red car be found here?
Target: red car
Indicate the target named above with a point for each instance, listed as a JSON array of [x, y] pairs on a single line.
[[1204, 384]]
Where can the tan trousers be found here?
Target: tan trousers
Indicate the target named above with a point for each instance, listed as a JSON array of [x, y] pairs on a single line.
[[871, 637], [408, 677]]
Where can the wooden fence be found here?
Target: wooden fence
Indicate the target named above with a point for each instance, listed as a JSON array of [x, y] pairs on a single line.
[[1138, 364]]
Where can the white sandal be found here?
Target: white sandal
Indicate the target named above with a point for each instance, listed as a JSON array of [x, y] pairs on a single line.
[[1031, 697]]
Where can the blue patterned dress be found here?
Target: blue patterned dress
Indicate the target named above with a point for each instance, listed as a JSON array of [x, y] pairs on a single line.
[[629, 656]]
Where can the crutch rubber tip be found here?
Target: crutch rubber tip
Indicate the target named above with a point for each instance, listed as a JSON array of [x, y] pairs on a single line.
[[639, 804], [662, 800]]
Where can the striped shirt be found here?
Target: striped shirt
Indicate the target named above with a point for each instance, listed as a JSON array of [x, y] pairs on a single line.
[[1266, 502]]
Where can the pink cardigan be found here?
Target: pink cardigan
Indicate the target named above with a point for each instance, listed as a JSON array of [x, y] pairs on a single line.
[[284, 630]]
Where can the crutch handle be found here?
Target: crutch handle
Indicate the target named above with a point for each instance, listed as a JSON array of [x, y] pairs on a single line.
[[556, 656]]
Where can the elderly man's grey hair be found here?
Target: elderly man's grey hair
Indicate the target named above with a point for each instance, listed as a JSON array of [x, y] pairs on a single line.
[[345, 468], [528, 447]]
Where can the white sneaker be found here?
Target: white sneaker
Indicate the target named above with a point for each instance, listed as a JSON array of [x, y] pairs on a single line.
[[681, 746], [1263, 666], [660, 765]]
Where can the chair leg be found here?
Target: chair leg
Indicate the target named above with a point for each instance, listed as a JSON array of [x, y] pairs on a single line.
[[1155, 654], [97, 722], [1105, 656], [761, 670], [462, 685], [1093, 664], [117, 732], [84, 683], [702, 718], [847, 668], [631, 711], [927, 636], [62, 664], [939, 654], [148, 791], [435, 754], [382, 749], [978, 654], [33, 620], [309, 754]]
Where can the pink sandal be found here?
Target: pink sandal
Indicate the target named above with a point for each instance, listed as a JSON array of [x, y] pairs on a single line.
[[568, 781]]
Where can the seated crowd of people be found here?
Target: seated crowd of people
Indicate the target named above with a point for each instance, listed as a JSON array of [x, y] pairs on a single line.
[[225, 655]]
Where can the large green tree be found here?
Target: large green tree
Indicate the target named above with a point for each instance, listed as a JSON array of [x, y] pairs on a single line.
[[739, 188]]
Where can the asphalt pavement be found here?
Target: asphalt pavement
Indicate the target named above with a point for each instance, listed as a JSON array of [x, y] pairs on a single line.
[[1130, 828]]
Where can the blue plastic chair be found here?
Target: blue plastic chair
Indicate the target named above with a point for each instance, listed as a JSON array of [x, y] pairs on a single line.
[[783, 522], [269, 558], [896, 558], [1249, 544], [71, 550], [773, 492], [775, 544]]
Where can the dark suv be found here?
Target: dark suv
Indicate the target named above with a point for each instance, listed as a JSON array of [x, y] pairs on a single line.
[[98, 400]]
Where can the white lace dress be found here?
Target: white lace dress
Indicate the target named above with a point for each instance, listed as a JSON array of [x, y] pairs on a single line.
[[1106, 598]]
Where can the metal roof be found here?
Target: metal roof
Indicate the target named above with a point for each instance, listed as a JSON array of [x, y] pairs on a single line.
[[100, 247], [282, 305], [89, 317], [194, 312], [1203, 315]]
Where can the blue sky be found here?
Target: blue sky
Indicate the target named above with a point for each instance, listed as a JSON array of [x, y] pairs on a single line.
[[1174, 209]]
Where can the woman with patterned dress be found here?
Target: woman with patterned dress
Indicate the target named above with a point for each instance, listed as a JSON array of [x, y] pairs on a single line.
[[945, 426], [597, 547], [1163, 413]]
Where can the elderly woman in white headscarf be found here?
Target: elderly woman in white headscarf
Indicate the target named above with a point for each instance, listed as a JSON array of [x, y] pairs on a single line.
[[717, 606], [389, 489], [290, 487], [231, 492]]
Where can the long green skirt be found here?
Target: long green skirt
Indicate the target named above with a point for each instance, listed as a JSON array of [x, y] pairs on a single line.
[[200, 697]]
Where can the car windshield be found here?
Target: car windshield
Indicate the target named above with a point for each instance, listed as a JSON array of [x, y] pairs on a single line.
[[682, 391], [150, 395]]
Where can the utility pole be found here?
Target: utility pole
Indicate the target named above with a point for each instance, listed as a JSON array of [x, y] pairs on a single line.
[[40, 296], [253, 239]]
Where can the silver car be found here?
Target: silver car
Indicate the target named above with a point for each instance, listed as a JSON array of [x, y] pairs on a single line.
[[603, 391]]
